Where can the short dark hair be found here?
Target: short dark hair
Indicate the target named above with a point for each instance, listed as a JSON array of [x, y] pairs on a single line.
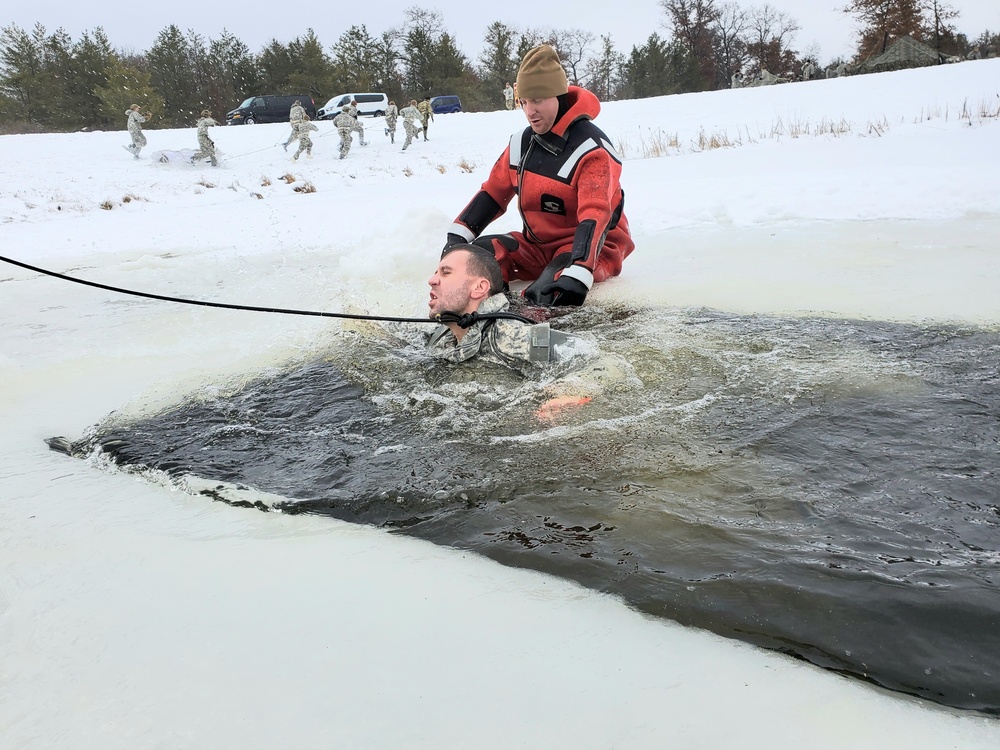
[[482, 263]]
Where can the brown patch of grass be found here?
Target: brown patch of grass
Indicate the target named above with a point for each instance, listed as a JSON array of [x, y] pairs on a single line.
[[205, 183], [129, 197], [442, 169], [713, 141], [265, 181], [288, 178], [305, 187], [258, 196], [407, 171], [108, 205], [465, 166]]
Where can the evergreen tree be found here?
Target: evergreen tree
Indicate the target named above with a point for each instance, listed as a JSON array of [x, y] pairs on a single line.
[[658, 68], [313, 70], [174, 76], [354, 61], [386, 62], [127, 84], [605, 72], [496, 61], [24, 81], [691, 23], [92, 60], [275, 65], [232, 71]]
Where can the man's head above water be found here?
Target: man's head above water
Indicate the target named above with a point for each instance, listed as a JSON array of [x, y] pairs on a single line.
[[465, 276]]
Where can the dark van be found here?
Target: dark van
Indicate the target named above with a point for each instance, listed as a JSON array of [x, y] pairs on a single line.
[[442, 105], [268, 108]]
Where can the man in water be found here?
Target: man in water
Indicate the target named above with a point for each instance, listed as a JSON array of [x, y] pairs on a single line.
[[468, 280], [566, 175]]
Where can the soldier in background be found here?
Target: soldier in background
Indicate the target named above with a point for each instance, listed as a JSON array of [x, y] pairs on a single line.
[[206, 148], [295, 115], [410, 115], [391, 114], [134, 125], [358, 127], [508, 95], [426, 115], [344, 124], [305, 142]]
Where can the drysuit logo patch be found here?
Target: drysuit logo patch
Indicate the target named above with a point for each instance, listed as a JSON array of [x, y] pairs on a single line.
[[553, 205]]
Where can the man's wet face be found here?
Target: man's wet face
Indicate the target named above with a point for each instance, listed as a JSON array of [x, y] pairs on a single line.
[[451, 285]]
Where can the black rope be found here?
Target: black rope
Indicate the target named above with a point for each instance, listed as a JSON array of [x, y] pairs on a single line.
[[446, 317]]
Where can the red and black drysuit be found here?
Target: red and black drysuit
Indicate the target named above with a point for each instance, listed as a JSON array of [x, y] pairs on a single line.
[[571, 204]]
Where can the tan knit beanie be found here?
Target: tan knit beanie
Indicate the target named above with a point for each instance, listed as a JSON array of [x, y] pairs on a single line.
[[541, 75]]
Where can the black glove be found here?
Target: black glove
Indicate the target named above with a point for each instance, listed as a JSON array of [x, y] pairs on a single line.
[[566, 291], [453, 239], [549, 290]]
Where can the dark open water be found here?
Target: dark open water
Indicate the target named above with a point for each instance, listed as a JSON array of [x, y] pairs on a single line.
[[825, 488]]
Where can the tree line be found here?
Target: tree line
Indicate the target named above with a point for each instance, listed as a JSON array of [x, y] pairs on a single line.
[[48, 81]]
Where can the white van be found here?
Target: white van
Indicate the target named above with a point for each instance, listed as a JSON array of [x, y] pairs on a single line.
[[368, 104]]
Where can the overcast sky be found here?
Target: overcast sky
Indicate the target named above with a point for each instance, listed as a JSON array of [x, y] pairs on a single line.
[[133, 25]]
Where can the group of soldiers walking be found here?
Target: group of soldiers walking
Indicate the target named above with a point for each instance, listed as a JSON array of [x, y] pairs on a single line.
[[416, 118]]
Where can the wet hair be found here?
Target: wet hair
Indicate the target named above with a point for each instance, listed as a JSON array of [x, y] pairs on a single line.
[[481, 263]]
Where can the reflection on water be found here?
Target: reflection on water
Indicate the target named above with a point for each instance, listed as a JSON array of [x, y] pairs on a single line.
[[822, 487]]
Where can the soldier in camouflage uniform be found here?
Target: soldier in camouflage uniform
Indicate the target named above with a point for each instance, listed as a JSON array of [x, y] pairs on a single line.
[[344, 124], [206, 148], [358, 127], [467, 280], [391, 115], [425, 113], [295, 115], [305, 142], [410, 115], [134, 125]]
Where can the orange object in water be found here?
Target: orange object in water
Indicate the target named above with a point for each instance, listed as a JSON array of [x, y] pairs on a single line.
[[552, 409]]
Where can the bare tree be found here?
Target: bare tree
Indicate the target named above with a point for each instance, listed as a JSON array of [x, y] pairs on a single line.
[[730, 30], [770, 33], [573, 46]]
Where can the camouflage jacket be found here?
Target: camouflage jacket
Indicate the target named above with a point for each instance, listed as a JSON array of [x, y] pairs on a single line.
[[391, 113], [303, 128], [343, 121], [505, 342], [204, 124], [410, 113], [135, 120], [297, 113], [424, 107]]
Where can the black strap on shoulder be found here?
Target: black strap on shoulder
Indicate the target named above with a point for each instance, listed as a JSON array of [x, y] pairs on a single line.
[[470, 319]]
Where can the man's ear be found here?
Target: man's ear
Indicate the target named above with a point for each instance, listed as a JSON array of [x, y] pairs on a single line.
[[481, 289]]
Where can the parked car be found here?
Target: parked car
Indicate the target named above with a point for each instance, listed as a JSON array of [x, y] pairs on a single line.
[[442, 105], [368, 104], [269, 108]]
